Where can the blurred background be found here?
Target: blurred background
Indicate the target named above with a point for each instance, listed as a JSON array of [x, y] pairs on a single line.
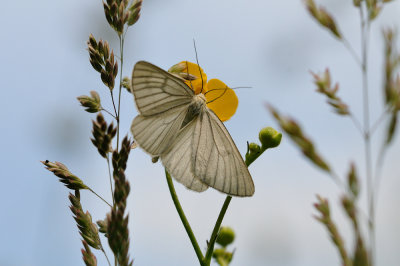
[[268, 45]]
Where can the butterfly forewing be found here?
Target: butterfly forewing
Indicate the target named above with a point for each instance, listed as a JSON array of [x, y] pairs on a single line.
[[156, 90], [156, 133]]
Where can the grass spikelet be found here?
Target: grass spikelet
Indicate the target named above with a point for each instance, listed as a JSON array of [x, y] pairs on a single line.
[[296, 134], [324, 86], [88, 257], [91, 103], [87, 229], [117, 222], [66, 177], [103, 61], [102, 135], [322, 207]]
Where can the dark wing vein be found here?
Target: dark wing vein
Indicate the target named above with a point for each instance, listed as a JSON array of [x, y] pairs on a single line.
[[216, 160], [156, 90]]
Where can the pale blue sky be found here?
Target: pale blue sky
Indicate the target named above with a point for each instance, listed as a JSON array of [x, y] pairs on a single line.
[[268, 45]]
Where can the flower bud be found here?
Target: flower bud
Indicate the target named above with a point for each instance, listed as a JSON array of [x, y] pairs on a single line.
[[269, 138], [226, 236], [177, 68], [254, 148], [222, 256]]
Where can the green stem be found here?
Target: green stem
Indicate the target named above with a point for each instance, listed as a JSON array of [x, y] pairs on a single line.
[[109, 175], [379, 120], [214, 234], [91, 190], [365, 23], [113, 102], [121, 50], [108, 112], [105, 256], [357, 124], [351, 50], [184, 219], [210, 249], [378, 169]]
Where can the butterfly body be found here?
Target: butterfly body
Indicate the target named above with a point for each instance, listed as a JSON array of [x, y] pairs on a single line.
[[176, 125]]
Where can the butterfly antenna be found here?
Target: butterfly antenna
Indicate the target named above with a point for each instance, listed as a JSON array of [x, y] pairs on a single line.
[[224, 91], [197, 61], [222, 94]]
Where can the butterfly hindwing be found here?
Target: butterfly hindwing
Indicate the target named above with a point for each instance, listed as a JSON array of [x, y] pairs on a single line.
[[216, 160], [178, 160]]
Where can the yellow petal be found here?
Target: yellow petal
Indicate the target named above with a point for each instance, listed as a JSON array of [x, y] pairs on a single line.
[[200, 81], [221, 99]]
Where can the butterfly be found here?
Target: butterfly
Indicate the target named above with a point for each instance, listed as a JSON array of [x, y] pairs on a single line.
[[176, 125]]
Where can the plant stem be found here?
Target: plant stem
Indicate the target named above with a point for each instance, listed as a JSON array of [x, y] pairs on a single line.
[[106, 256], [365, 23], [357, 124], [121, 50], [378, 169], [214, 234], [379, 120], [351, 50], [184, 219], [108, 112], [115, 109], [109, 175], [91, 190]]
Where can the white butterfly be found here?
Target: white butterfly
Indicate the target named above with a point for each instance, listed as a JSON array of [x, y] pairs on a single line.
[[177, 126]]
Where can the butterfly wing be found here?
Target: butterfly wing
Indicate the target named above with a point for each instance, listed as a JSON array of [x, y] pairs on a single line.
[[157, 91], [162, 100], [178, 160], [216, 160], [155, 133]]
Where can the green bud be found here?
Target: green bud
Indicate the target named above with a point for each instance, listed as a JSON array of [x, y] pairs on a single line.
[[254, 148], [226, 236], [219, 252], [269, 138], [253, 152], [177, 68], [222, 256]]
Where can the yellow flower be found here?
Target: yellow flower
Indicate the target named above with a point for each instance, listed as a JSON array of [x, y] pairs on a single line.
[[220, 98]]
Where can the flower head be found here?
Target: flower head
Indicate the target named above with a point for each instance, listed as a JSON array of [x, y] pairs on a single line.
[[220, 98]]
